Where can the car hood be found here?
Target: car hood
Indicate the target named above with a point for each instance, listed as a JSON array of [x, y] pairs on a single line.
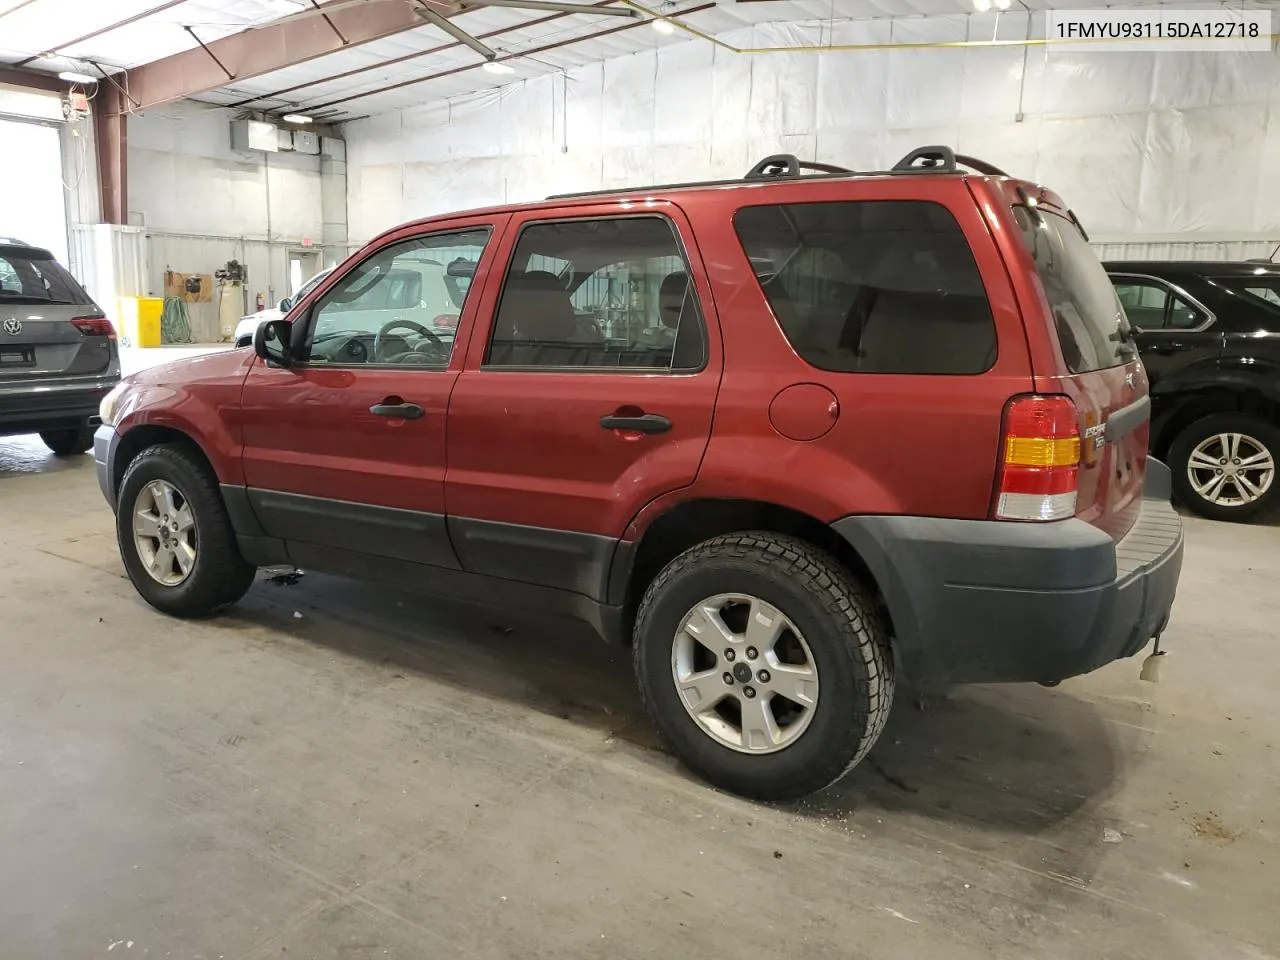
[[261, 316], [228, 365]]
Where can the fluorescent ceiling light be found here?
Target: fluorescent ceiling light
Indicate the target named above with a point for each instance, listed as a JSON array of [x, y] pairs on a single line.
[[662, 26], [982, 6], [295, 118], [1003, 4], [499, 68], [77, 77]]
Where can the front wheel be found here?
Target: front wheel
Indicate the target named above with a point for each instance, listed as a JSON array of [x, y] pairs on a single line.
[[175, 536], [764, 664], [69, 442], [1224, 466]]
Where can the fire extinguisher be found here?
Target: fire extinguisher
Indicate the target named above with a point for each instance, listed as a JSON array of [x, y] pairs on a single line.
[[261, 302]]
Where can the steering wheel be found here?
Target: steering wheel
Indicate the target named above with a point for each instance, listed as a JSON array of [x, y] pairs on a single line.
[[407, 324]]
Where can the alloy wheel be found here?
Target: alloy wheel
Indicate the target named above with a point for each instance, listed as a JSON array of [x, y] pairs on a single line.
[[744, 673], [1231, 469], [164, 533]]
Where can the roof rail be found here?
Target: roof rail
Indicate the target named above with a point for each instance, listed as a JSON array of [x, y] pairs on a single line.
[[787, 166], [782, 165], [940, 159]]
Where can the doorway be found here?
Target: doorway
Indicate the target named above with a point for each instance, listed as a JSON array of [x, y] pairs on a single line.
[[303, 265], [34, 210]]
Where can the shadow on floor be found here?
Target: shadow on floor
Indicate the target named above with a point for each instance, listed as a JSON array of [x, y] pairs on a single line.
[[1009, 759]]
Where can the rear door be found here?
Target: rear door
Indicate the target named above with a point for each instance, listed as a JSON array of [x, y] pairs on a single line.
[[589, 395], [49, 326], [1173, 330], [1093, 358]]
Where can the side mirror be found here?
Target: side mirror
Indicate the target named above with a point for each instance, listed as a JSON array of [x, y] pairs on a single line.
[[272, 341], [285, 305]]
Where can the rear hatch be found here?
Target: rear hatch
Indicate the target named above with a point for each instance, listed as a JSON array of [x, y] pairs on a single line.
[[1093, 358], [49, 326]]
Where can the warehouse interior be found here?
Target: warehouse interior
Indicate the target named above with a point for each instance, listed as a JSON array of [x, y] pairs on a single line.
[[333, 769]]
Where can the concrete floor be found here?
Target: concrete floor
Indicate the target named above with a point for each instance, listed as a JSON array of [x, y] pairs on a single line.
[[340, 771]]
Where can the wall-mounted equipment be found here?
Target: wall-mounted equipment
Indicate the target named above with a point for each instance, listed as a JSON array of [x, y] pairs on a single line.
[[250, 135]]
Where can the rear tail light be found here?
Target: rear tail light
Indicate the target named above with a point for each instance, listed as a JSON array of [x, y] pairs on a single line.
[[1040, 462], [94, 327]]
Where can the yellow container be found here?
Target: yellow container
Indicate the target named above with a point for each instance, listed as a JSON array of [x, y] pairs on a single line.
[[140, 320]]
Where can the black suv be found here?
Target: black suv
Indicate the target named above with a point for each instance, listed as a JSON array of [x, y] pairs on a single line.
[[58, 352], [1209, 334]]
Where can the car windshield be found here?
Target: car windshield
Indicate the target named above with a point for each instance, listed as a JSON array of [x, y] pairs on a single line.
[[34, 277]]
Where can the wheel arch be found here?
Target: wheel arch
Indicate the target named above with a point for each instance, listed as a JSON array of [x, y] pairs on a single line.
[[1199, 404], [690, 522], [135, 440]]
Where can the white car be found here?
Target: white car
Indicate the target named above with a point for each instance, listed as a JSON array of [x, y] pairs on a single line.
[[247, 325]]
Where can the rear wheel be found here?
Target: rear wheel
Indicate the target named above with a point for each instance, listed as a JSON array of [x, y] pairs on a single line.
[[68, 442], [1224, 466], [175, 536], [764, 664]]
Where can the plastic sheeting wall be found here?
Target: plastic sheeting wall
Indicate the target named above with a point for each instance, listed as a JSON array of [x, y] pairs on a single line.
[[1147, 147], [204, 204]]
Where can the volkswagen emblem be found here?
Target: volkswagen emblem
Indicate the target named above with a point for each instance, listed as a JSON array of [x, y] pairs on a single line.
[[13, 326]]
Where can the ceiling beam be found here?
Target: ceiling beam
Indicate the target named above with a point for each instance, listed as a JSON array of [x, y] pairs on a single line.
[[260, 50], [570, 41], [33, 80], [101, 30], [382, 65]]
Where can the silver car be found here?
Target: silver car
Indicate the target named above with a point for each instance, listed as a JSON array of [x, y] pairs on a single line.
[[58, 351]]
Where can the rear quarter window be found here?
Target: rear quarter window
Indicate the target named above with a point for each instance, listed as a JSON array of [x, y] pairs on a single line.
[[872, 286], [1087, 313], [31, 279]]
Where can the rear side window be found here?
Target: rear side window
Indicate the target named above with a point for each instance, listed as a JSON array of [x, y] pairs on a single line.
[[872, 286], [1264, 290], [1086, 311], [34, 279]]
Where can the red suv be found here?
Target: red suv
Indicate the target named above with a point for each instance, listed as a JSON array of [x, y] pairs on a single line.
[[792, 438]]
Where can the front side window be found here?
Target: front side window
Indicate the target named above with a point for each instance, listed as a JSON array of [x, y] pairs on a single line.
[[1151, 305], [599, 293], [872, 286], [400, 306]]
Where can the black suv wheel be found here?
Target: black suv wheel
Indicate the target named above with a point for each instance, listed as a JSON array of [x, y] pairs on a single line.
[[1224, 466]]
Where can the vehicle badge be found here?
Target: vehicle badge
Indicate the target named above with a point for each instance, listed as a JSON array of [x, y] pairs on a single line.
[[13, 326]]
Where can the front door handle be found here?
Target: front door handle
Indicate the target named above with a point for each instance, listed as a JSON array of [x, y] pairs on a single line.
[[395, 407], [644, 423]]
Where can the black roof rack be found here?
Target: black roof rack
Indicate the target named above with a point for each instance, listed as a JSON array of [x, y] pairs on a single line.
[[786, 166]]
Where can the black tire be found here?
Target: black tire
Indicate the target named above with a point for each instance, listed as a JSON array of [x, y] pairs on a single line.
[[1261, 432], [220, 576], [69, 442], [846, 635]]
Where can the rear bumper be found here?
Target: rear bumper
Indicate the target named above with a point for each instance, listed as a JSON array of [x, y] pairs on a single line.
[[29, 408], [982, 601]]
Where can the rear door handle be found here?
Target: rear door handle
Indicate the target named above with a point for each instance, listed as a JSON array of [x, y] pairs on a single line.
[[645, 423], [395, 407]]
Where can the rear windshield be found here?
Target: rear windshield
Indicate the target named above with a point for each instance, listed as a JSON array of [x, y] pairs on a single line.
[[872, 286], [28, 277], [1264, 290], [1091, 324]]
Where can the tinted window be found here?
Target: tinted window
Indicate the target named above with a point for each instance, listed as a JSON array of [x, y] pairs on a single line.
[[29, 279], [886, 286], [1263, 289], [398, 306], [599, 293], [1086, 311], [1150, 305]]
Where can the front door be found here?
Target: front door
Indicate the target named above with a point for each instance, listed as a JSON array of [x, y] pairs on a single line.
[[345, 449], [589, 395]]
